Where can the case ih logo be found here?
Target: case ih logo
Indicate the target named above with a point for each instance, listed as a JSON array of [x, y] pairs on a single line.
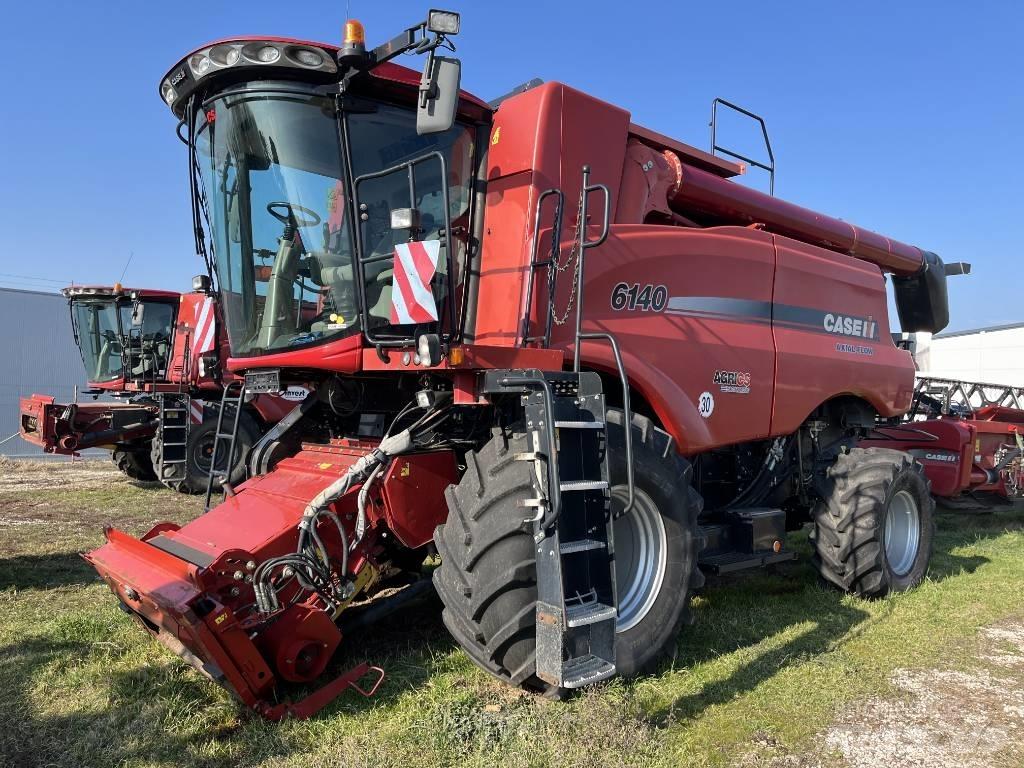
[[846, 325], [950, 458], [735, 382]]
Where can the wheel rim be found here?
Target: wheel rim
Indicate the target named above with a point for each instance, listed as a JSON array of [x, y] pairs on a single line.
[[204, 452], [640, 556], [902, 532]]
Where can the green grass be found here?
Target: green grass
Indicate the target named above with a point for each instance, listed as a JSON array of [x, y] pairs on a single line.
[[771, 659]]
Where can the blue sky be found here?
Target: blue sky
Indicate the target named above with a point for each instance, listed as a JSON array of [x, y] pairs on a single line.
[[903, 117]]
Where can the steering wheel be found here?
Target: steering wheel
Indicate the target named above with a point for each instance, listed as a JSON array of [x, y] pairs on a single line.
[[312, 218]]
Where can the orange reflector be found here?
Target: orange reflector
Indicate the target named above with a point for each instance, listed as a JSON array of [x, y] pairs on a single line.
[[456, 356], [777, 546], [354, 33]]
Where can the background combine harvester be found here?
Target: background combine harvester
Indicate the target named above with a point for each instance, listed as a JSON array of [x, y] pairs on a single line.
[[969, 436], [581, 408], [127, 428], [159, 354]]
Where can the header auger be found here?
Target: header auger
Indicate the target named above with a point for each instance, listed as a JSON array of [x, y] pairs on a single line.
[[567, 354]]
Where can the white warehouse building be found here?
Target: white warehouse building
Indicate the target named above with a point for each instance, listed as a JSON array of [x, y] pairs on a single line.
[[993, 355], [39, 356]]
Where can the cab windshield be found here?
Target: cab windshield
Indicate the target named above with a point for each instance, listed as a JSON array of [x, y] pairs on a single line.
[[278, 185], [103, 327]]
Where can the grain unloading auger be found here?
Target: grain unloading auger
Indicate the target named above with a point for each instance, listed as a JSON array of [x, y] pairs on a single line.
[[579, 419]]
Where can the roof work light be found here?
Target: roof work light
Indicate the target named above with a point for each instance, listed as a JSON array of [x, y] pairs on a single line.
[[443, 22]]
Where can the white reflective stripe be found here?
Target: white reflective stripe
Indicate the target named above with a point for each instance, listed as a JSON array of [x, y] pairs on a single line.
[[200, 322], [398, 304], [421, 293], [196, 411], [207, 344]]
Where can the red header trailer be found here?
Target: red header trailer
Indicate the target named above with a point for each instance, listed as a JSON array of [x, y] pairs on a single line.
[[969, 436]]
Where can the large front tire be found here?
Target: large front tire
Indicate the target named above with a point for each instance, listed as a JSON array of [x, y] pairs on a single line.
[[135, 464], [487, 577], [192, 476], [875, 526]]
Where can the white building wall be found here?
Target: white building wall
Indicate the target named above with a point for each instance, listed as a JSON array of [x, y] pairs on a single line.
[[37, 355], [993, 355]]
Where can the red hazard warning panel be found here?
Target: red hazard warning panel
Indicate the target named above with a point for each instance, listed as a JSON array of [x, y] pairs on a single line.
[[411, 298]]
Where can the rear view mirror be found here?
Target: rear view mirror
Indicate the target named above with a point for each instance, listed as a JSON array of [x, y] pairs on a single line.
[[439, 95]]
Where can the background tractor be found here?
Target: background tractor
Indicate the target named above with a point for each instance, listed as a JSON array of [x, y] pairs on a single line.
[[567, 353]]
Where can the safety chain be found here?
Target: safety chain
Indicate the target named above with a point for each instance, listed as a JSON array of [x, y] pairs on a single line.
[[573, 259]]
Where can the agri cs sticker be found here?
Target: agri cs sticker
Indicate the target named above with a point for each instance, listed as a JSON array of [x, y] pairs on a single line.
[[733, 382], [706, 404]]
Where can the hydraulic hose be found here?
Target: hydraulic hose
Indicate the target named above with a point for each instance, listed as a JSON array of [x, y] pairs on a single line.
[[310, 562]]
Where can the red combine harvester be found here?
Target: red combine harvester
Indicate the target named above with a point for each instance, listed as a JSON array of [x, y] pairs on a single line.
[[158, 353], [579, 419], [969, 437]]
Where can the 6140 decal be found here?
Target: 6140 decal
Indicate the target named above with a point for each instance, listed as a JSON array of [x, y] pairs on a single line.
[[649, 298]]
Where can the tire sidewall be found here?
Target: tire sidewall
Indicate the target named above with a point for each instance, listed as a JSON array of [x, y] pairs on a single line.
[[197, 475], [637, 648], [914, 483]]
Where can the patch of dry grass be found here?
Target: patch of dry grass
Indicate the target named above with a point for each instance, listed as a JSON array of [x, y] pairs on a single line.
[[772, 660]]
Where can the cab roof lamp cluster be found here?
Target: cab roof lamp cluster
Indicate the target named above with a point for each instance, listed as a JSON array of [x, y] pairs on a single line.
[[225, 55], [216, 58], [92, 290]]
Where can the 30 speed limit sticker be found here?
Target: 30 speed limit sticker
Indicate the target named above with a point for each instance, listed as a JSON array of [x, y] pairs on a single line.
[[706, 404]]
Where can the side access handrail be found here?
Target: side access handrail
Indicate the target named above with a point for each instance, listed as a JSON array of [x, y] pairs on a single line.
[[556, 238], [627, 412], [585, 245], [538, 382]]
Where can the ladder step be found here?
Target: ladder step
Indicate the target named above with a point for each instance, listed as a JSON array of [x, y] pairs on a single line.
[[580, 545], [583, 485], [584, 670], [580, 424], [580, 615]]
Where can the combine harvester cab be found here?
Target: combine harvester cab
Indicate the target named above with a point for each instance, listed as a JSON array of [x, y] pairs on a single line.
[[101, 319], [158, 355], [570, 355]]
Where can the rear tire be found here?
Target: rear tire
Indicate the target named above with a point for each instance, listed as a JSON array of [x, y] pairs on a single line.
[[875, 527], [487, 577], [136, 464]]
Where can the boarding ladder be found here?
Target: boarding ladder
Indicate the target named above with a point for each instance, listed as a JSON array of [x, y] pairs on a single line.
[[174, 424], [231, 402], [571, 507]]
